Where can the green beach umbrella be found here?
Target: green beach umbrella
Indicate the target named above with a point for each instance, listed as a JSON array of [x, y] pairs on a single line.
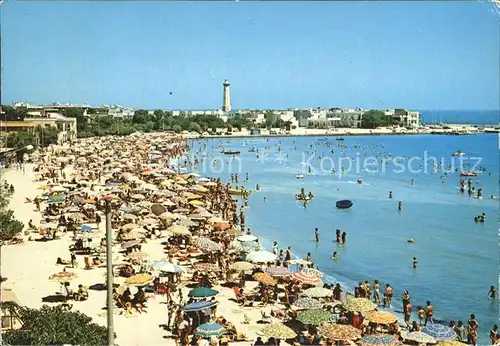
[[279, 331], [315, 317], [202, 292], [307, 303]]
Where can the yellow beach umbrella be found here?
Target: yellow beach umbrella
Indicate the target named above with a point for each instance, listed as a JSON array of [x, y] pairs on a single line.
[[381, 317], [179, 229], [44, 187], [196, 202]]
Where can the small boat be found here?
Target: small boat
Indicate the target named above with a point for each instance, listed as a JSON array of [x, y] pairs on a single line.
[[458, 153], [239, 192], [230, 152], [468, 174], [340, 138], [344, 204], [299, 176]]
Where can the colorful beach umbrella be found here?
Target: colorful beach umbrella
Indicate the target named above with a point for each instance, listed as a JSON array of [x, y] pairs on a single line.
[[307, 303], [279, 331], [315, 316], [308, 278], [137, 255], [209, 330], [381, 317], [339, 332], [265, 279], [318, 292], [167, 267], [439, 332], [207, 267], [202, 292], [360, 305], [312, 271], [278, 271], [378, 340]]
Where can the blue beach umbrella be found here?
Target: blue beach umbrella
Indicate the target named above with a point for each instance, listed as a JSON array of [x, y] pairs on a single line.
[[86, 228], [208, 330], [198, 306], [202, 292], [371, 340], [439, 332]]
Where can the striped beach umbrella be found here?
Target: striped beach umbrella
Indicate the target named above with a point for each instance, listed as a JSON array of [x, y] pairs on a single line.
[[312, 271], [278, 271], [206, 267], [308, 279], [206, 244], [63, 276], [439, 332], [209, 330]]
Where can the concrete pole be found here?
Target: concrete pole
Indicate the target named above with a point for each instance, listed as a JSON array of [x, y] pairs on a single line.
[[109, 273]]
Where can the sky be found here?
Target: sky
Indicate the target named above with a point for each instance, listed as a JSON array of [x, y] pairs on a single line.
[[176, 55]]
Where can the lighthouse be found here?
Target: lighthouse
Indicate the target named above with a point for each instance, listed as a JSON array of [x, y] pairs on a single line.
[[226, 97]]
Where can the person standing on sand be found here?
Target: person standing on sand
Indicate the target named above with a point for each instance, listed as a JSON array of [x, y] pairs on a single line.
[[316, 235], [288, 254]]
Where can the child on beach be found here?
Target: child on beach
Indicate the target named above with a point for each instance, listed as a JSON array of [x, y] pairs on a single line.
[[421, 315]]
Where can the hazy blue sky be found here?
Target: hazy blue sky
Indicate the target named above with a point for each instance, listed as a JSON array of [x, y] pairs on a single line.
[[419, 55]]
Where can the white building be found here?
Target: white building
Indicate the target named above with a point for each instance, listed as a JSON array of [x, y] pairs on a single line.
[[403, 117], [118, 111]]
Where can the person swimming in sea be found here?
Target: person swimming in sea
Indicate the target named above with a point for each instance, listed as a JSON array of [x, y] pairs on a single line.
[[337, 233], [415, 262], [411, 240], [493, 292], [400, 206], [390, 194], [310, 195], [335, 256], [316, 234]]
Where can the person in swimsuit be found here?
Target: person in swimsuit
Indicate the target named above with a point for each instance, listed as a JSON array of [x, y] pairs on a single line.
[[335, 256], [494, 337], [493, 292], [376, 292], [415, 262], [429, 312], [316, 235]]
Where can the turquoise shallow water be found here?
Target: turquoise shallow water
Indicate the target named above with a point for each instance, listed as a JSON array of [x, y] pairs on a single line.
[[458, 259]]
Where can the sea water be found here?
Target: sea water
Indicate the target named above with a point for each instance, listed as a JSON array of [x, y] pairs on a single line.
[[458, 258]]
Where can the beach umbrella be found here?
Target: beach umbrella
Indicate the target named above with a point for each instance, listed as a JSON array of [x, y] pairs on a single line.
[[196, 202], [453, 343], [318, 292], [158, 209], [58, 188], [307, 303], [299, 261], [315, 316], [199, 188], [339, 332], [139, 196], [206, 267], [63, 276], [206, 244], [130, 243], [246, 247], [279, 331], [312, 271], [378, 340], [265, 279], [381, 317], [419, 337], [44, 187], [166, 216], [247, 237], [179, 230], [89, 201], [130, 217], [199, 306], [439, 332], [144, 204], [360, 305], [241, 266], [142, 279], [261, 257], [209, 330], [86, 228], [308, 279], [278, 271], [202, 292], [187, 223], [167, 267]]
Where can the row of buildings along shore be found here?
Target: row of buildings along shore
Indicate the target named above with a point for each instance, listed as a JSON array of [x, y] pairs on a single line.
[[52, 115]]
